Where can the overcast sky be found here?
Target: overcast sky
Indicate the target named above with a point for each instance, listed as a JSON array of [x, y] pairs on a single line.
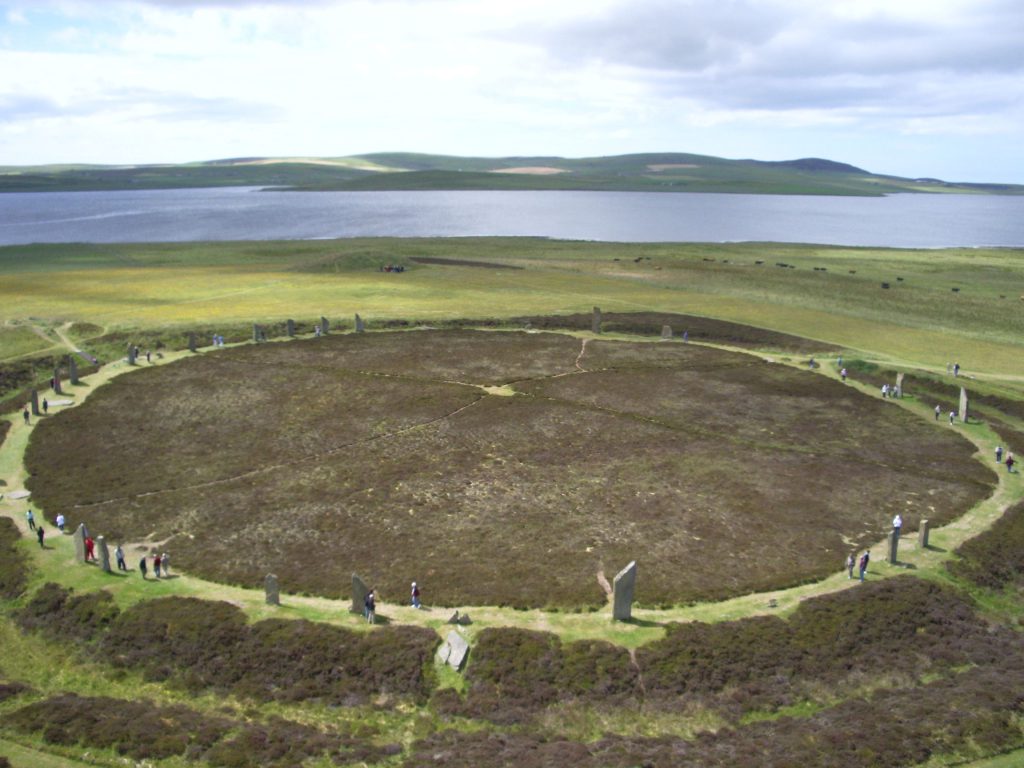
[[929, 88]]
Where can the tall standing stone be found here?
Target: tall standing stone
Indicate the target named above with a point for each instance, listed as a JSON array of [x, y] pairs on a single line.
[[595, 321], [79, 538], [271, 589], [191, 341], [922, 534], [623, 587], [72, 369], [35, 402], [131, 354], [666, 332], [360, 325], [359, 593], [893, 548], [256, 332], [325, 325], [101, 545], [963, 405], [290, 327], [899, 385], [56, 381]]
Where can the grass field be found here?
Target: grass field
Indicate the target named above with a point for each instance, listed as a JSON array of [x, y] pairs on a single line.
[[920, 667]]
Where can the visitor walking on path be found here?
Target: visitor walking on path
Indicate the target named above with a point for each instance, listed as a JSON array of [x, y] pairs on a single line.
[[864, 560], [371, 607], [415, 596], [60, 523], [842, 374], [156, 565], [999, 454], [1010, 461], [119, 555], [31, 520], [90, 549], [165, 563], [142, 567], [938, 412], [46, 405], [41, 534], [897, 525], [851, 560], [952, 416], [25, 414]]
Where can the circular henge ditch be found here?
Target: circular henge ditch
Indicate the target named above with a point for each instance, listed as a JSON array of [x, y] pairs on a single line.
[[500, 468]]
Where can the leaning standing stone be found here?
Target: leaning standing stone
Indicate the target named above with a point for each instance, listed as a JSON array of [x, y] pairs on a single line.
[[595, 320], [56, 381], [191, 342], [666, 332], [922, 534], [35, 402], [325, 326], [271, 589], [101, 545], [899, 385], [290, 328], [623, 587], [72, 369], [360, 325], [963, 405], [894, 545]]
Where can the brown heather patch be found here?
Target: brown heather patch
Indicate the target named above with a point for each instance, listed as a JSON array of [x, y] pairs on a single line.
[[380, 454]]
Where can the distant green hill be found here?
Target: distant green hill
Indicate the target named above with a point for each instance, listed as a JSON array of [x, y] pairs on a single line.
[[654, 172]]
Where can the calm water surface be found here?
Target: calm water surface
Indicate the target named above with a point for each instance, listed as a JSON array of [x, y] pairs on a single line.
[[244, 213]]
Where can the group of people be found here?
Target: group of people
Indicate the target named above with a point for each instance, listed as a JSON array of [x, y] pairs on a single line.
[[888, 390], [159, 562], [370, 602], [861, 563], [218, 340], [1009, 461], [392, 268]]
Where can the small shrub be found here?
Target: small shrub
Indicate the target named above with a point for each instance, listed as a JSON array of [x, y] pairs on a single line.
[[994, 559], [13, 563], [62, 615]]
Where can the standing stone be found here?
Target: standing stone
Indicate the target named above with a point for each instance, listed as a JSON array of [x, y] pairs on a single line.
[[79, 539], [191, 342], [101, 545], [131, 354], [666, 332], [623, 586], [56, 382], [899, 385], [595, 321], [360, 325], [256, 332], [35, 402], [963, 405], [325, 327], [290, 327], [458, 650], [922, 534], [359, 593], [72, 369], [894, 545], [270, 588]]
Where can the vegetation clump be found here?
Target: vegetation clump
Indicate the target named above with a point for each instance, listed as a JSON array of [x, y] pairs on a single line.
[[13, 563], [995, 558], [62, 615]]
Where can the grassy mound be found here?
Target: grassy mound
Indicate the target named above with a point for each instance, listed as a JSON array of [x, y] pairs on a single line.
[[382, 454]]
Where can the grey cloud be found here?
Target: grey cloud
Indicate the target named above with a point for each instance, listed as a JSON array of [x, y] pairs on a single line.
[[772, 56]]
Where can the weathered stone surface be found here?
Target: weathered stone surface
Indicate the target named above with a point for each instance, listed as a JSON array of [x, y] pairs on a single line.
[[191, 342], [893, 547], [325, 327], [257, 333], [359, 593], [360, 325], [623, 587], [459, 649], [899, 385], [72, 369], [131, 354], [290, 329], [666, 332], [444, 651], [595, 322], [270, 588], [35, 402], [104, 552], [56, 381], [79, 538], [454, 618], [922, 534], [963, 405]]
